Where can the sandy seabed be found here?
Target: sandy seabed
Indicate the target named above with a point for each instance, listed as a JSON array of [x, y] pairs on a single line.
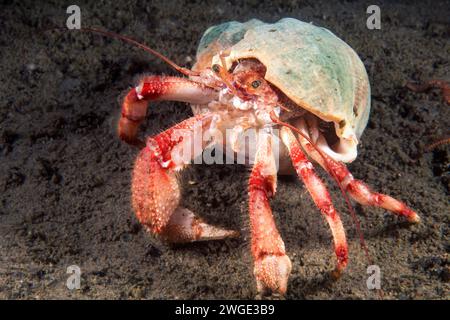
[[65, 176]]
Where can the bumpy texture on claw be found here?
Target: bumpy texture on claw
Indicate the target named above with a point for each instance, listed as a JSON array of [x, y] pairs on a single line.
[[272, 266], [156, 193]]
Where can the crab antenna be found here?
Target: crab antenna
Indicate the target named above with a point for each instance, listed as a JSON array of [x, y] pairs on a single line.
[[225, 75], [184, 71], [282, 106], [344, 193]]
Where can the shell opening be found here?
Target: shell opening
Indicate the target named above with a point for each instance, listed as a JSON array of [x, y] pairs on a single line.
[[322, 132]]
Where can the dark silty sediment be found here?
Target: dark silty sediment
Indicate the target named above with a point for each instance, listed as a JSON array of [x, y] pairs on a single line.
[[65, 176]]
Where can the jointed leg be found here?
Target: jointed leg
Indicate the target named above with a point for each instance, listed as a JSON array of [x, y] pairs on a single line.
[[444, 86], [357, 189], [271, 264], [153, 88], [155, 189], [319, 194]]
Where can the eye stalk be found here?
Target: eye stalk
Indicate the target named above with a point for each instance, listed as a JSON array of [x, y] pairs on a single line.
[[225, 76]]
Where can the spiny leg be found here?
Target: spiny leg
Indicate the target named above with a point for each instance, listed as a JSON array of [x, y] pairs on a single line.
[[154, 88], [320, 196], [443, 85], [271, 264], [357, 189], [155, 189]]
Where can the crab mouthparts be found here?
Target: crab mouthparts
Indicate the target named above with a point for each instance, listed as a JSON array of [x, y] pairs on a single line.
[[248, 107]]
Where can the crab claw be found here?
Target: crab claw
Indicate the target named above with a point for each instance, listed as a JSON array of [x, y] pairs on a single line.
[[185, 226], [272, 274], [156, 193]]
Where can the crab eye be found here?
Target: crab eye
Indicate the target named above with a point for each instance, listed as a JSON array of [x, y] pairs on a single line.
[[256, 84], [216, 68]]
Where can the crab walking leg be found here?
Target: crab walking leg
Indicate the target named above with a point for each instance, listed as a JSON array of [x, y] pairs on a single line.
[[357, 189], [155, 189], [319, 194], [444, 86], [271, 264], [154, 88]]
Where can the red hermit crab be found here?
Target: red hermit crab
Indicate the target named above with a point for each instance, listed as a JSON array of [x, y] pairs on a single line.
[[290, 82]]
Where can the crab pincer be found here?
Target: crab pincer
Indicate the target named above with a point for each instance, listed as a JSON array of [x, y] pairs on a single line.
[[156, 192]]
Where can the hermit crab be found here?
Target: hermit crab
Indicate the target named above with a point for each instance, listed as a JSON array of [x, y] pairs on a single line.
[[296, 86]]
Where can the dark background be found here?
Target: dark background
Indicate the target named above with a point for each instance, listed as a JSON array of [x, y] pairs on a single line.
[[65, 176]]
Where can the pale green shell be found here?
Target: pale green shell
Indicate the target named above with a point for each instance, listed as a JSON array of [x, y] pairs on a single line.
[[313, 67]]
